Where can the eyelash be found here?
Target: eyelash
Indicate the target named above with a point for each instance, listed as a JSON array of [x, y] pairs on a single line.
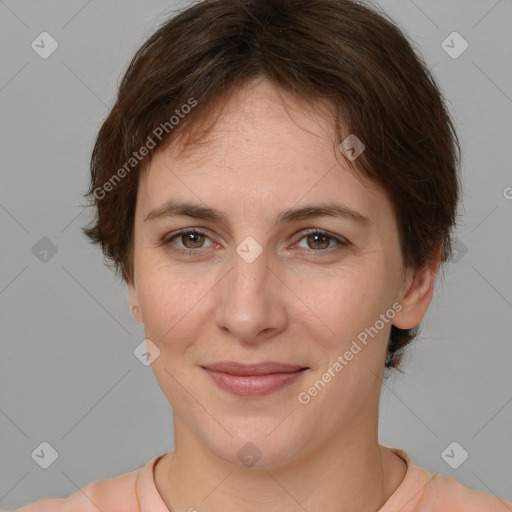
[[167, 241]]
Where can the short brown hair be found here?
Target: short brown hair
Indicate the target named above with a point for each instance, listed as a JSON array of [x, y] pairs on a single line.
[[342, 51]]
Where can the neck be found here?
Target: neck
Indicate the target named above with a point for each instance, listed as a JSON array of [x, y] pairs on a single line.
[[349, 472]]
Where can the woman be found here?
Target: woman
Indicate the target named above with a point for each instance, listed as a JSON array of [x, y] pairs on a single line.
[[277, 184]]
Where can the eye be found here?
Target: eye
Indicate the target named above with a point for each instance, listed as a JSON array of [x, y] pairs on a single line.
[[192, 239], [320, 241]]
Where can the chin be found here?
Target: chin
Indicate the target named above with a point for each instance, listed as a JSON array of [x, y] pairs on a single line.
[[258, 446]]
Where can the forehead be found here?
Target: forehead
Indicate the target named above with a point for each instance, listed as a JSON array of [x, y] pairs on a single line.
[[248, 110], [266, 149]]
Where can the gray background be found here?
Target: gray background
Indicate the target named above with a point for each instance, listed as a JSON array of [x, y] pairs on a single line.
[[68, 373]]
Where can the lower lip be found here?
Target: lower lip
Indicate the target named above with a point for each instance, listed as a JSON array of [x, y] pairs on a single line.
[[253, 385]]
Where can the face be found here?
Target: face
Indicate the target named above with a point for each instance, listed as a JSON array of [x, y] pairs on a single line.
[[255, 285]]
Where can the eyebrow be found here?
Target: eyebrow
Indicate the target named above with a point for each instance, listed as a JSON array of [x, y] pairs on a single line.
[[175, 208]]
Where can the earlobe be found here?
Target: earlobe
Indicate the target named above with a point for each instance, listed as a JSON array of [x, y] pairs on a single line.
[[134, 301], [417, 293]]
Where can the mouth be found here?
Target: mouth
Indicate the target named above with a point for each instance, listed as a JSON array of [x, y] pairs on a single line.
[[253, 379]]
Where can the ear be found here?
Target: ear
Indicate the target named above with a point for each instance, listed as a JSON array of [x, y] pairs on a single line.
[[417, 292], [134, 300]]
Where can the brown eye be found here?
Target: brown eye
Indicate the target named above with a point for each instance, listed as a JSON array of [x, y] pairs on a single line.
[[322, 241], [186, 241], [193, 238], [318, 241]]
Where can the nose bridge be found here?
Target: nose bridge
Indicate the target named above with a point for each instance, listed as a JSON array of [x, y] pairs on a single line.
[[250, 270], [247, 302], [249, 274]]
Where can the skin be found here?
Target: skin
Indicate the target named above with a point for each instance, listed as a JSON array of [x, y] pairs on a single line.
[[302, 301]]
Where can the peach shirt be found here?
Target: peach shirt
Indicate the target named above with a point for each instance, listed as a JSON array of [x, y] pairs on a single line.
[[420, 491]]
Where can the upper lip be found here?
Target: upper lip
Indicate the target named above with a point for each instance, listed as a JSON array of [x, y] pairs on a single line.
[[265, 368]]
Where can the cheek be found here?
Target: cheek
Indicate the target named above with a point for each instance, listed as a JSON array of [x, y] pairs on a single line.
[[171, 303], [350, 303], [348, 300]]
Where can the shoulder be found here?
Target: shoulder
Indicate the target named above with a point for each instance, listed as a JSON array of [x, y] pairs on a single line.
[[423, 491], [451, 495], [114, 494]]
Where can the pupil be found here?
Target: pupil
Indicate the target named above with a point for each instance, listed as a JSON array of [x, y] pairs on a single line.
[[317, 237], [191, 236]]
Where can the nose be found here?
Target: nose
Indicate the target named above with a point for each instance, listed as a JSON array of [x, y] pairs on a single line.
[[250, 304]]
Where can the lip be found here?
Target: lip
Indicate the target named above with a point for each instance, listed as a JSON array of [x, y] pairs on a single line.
[[253, 379]]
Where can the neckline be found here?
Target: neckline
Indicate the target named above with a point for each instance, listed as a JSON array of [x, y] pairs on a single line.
[[415, 481], [412, 488], [148, 497]]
